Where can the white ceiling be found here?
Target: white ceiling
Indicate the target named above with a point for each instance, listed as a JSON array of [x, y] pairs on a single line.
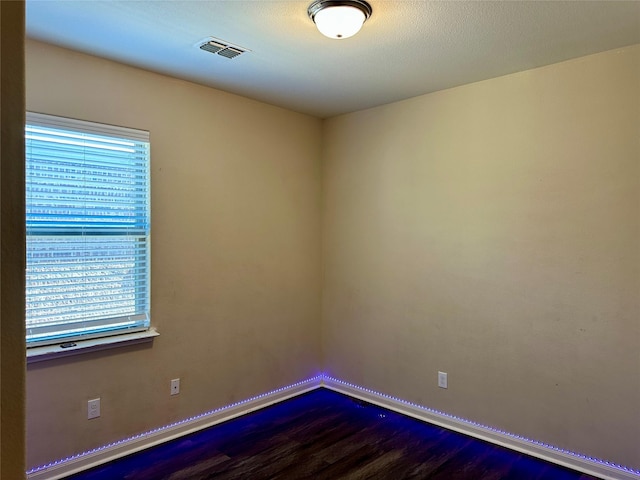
[[406, 48]]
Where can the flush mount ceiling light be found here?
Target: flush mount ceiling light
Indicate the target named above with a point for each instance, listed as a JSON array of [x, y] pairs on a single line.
[[339, 18]]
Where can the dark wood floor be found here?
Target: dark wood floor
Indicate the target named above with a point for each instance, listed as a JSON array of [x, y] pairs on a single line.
[[325, 435]]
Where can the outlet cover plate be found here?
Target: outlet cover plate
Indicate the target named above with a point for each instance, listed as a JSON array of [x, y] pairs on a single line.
[[175, 386], [443, 381], [93, 408]]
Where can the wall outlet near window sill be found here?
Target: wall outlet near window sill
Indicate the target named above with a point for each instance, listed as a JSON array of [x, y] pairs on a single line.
[[93, 408], [175, 386]]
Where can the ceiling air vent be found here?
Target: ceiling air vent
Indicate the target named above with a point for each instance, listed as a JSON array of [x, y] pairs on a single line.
[[219, 47]]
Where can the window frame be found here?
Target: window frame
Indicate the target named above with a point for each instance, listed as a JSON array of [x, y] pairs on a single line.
[[125, 326]]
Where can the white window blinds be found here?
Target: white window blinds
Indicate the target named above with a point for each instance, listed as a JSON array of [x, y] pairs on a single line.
[[88, 226]]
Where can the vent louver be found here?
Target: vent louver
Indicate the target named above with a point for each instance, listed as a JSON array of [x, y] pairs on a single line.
[[230, 52], [219, 47]]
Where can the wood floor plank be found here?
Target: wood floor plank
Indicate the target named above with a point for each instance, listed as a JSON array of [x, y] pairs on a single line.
[[323, 435]]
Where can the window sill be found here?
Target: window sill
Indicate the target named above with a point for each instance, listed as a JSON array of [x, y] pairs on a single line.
[[50, 352]]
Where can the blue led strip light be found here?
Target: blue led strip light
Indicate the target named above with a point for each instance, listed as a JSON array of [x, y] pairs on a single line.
[[317, 378], [326, 378], [484, 427]]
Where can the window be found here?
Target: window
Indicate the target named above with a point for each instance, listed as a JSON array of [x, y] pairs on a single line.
[[88, 226]]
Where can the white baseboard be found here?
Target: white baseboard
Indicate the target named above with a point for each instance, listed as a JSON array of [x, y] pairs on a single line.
[[581, 463], [84, 461]]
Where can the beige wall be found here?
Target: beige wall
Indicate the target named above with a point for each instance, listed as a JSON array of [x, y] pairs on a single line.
[[12, 356], [235, 254], [492, 231]]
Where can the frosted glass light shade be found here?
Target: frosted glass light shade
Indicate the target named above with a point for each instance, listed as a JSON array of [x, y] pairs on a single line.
[[339, 22], [339, 18]]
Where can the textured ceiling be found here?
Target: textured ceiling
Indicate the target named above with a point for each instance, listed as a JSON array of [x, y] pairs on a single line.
[[407, 48]]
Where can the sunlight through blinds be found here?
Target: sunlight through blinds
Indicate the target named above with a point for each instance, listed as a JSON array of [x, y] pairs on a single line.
[[88, 226]]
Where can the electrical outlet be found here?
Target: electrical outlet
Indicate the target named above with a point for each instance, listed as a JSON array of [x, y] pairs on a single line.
[[442, 380], [93, 408], [175, 386]]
